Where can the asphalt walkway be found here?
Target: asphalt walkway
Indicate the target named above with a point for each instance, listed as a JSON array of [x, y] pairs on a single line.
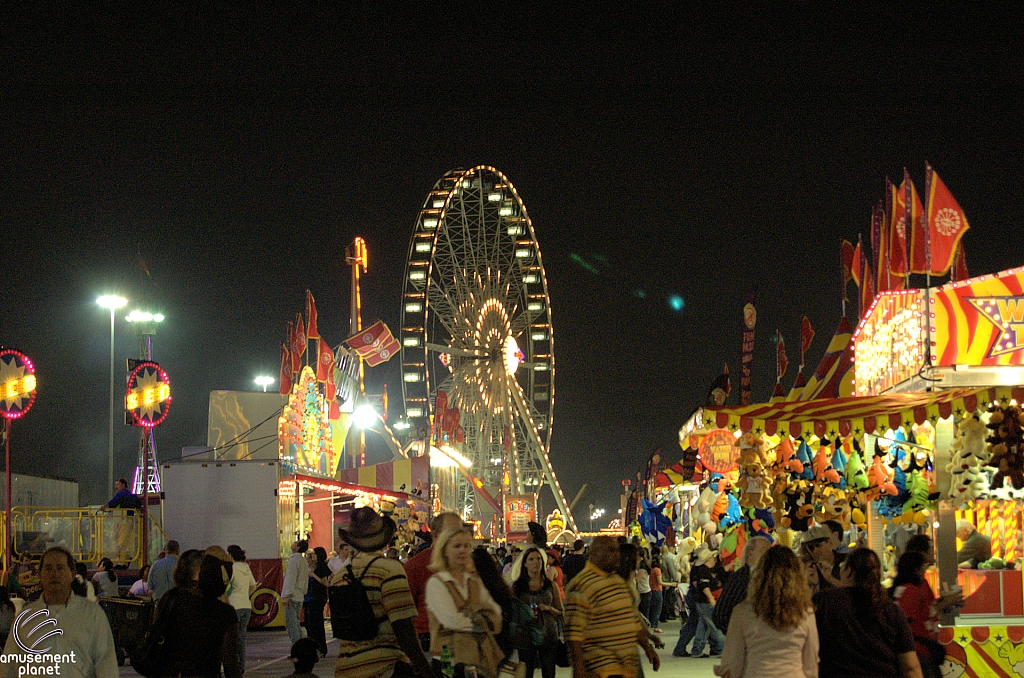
[[267, 656]]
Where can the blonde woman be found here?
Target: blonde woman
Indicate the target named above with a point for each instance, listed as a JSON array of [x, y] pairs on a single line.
[[772, 634], [463, 616]]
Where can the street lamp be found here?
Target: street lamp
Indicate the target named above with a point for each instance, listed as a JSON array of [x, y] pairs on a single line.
[[591, 514], [112, 302], [365, 416], [264, 382]]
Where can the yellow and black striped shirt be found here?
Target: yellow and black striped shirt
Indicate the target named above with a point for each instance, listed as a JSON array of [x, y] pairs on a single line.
[[388, 591], [599, 612]]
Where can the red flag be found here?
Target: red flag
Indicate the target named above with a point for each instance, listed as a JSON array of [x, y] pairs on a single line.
[[300, 335], [335, 412], [293, 350], [867, 289], [806, 337], [332, 390], [311, 329], [324, 361], [947, 223], [959, 271], [781, 359], [855, 263], [880, 224], [897, 210], [918, 226], [383, 354], [371, 339], [285, 377], [846, 256]]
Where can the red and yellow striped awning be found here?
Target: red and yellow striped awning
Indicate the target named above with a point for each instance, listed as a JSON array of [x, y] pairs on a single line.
[[832, 417]]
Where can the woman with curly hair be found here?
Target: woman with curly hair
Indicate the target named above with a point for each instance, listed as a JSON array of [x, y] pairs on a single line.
[[876, 638], [773, 633]]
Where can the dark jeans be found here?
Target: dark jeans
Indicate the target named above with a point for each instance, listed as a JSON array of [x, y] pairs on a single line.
[[654, 613], [645, 604], [314, 614], [668, 605], [543, 656], [699, 629]]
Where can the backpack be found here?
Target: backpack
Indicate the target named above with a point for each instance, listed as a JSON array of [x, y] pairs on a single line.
[[352, 616]]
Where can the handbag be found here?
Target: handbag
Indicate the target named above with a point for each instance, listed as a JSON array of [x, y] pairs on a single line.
[[562, 654], [149, 657]]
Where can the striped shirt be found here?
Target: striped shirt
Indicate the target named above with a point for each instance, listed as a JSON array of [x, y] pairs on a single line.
[[599, 613], [388, 591]]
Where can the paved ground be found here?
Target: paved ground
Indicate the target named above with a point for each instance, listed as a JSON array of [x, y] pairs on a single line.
[[267, 655]]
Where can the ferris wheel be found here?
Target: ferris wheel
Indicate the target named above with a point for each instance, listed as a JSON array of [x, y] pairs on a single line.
[[477, 335]]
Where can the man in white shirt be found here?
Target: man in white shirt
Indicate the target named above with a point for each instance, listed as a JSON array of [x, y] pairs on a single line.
[[71, 633], [341, 559], [296, 581]]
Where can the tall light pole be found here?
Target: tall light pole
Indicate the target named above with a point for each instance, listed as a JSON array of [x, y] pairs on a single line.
[[112, 302], [264, 382]]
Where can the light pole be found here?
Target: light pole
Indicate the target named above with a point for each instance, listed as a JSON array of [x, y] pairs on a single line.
[[112, 302], [264, 382], [591, 514]]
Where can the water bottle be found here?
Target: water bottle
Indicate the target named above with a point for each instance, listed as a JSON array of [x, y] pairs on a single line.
[[447, 667]]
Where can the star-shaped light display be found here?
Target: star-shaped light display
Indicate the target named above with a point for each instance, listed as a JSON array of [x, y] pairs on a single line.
[[149, 395], [17, 384]]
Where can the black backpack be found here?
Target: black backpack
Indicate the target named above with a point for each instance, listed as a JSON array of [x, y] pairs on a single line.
[[352, 616]]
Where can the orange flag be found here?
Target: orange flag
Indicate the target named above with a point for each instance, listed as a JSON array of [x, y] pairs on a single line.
[[880, 225], [300, 335], [324, 360], [896, 207], [806, 337], [867, 290], [947, 223], [311, 329], [918, 226], [959, 271], [855, 263]]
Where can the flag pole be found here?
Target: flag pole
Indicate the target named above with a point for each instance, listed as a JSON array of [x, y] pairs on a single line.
[[842, 276], [928, 273]]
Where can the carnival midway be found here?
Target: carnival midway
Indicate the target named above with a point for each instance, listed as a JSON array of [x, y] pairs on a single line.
[[909, 432]]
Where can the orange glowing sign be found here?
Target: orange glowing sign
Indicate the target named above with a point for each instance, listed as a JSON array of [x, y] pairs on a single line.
[[718, 451]]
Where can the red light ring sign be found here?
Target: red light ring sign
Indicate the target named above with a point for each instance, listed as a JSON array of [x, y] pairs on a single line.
[[17, 382], [148, 397]]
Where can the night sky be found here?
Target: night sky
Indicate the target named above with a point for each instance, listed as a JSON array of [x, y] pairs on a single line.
[[700, 152]]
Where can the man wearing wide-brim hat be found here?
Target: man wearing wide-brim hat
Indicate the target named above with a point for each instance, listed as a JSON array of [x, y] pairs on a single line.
[[395, 650], [705, 587], [817, 544]]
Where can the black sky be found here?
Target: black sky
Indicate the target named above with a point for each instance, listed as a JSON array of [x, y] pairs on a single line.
[[701, 151]]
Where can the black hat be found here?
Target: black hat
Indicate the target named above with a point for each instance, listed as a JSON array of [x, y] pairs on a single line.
[[368, 531]]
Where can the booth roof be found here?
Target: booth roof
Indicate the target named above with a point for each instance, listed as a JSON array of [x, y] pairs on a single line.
[[833, 417]]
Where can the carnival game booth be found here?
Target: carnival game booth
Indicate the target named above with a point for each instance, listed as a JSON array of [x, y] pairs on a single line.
[[933, 434]]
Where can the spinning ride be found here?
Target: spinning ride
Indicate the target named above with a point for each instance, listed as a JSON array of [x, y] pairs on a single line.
[[477, 346]]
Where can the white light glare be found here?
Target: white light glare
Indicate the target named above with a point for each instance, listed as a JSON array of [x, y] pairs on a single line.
[[111, 301], [364, 416]]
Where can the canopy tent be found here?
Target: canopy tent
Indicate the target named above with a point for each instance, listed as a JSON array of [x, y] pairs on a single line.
[[845, 416]]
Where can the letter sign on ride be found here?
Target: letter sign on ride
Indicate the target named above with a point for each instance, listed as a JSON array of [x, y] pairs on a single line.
[[17, 384], [148, 398]]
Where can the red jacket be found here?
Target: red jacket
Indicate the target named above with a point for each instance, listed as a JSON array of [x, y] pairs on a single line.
[[418, 573]]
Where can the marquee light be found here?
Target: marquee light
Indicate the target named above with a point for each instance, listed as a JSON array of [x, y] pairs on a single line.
[[148, 396], [17, 384]]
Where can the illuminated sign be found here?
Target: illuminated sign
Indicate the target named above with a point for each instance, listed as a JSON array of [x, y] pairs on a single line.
[[17, 384], [148, 398], [980, 321], [718, 451], [889, 342], [519, 511]]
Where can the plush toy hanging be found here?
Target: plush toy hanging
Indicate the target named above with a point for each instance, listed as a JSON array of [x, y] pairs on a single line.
[[1005, 445], [967, 481]]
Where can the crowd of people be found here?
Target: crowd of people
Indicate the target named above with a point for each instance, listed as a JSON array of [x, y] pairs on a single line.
[[447, 603]]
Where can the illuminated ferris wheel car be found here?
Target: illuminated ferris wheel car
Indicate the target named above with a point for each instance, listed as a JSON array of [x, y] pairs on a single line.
[[477, 345]]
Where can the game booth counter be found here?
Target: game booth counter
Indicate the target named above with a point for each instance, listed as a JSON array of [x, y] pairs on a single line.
[[265, 499], [931, 434]]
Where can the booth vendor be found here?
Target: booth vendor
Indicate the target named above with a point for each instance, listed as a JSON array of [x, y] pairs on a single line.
[[977, 547]]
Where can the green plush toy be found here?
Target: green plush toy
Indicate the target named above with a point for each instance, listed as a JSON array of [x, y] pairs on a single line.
[[993, 564]]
